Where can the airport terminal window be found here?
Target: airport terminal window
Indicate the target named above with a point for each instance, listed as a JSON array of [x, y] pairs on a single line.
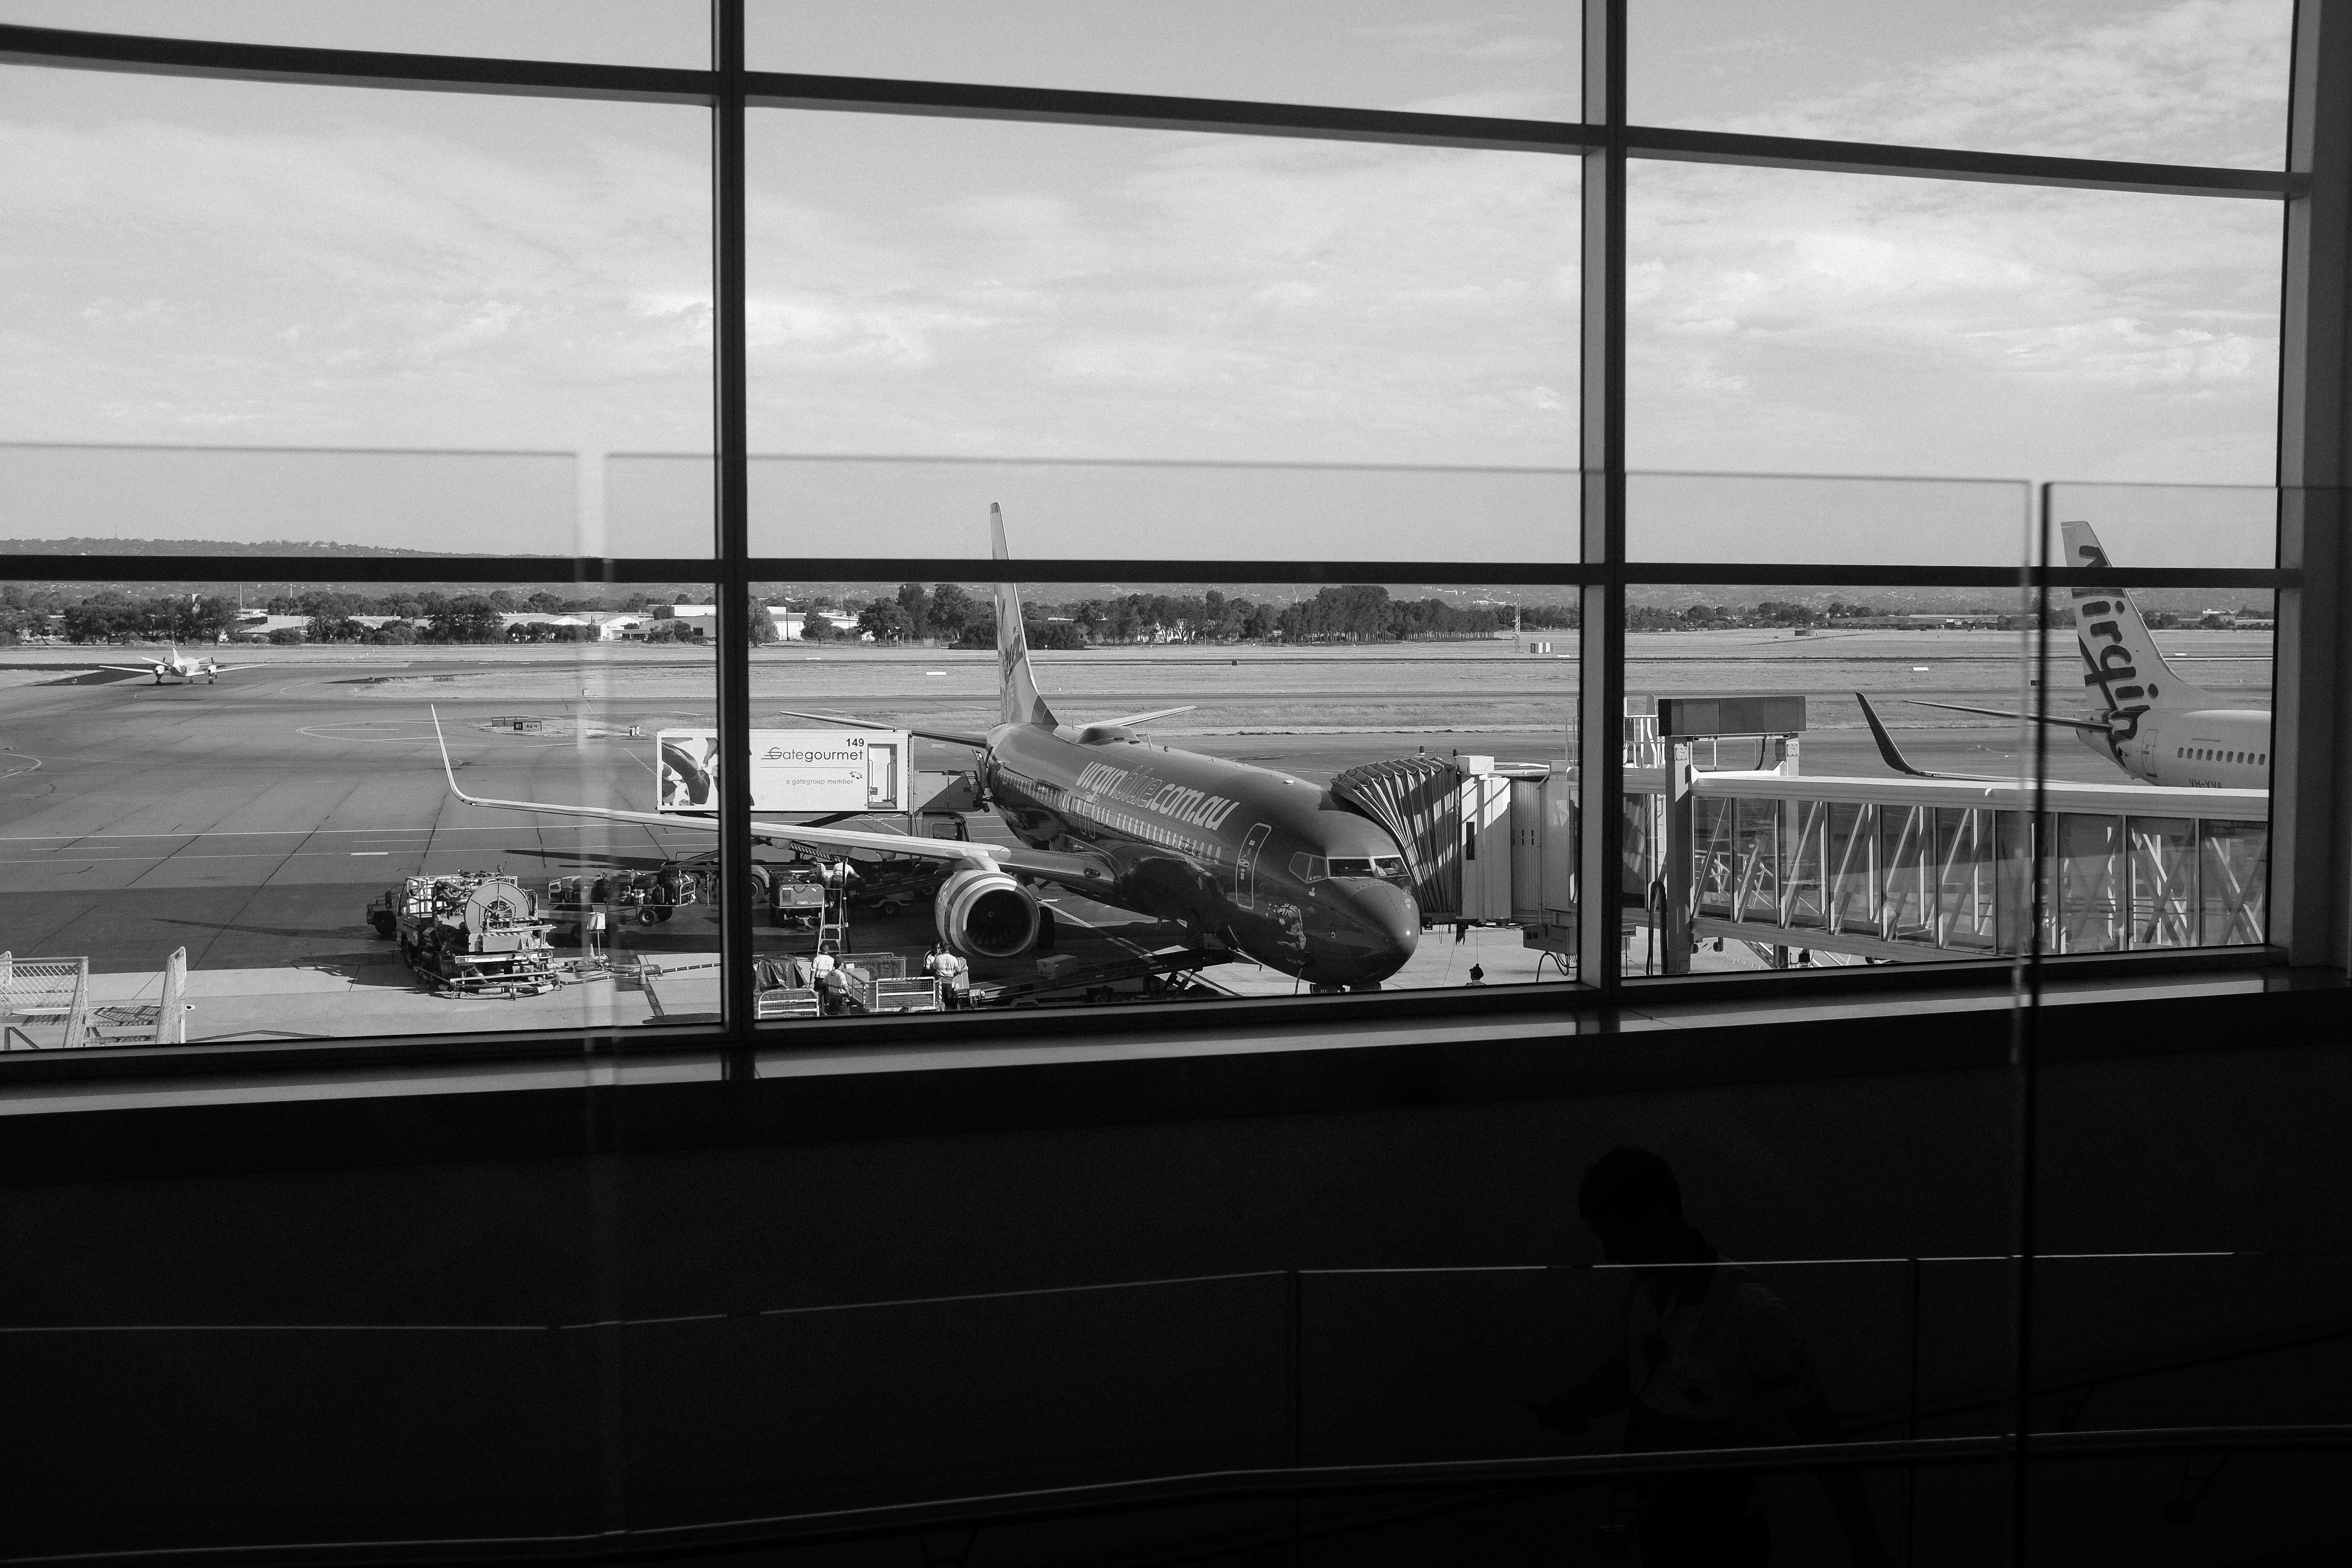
[[1156, 344], [276, 814], [268, 317], [925, 550]]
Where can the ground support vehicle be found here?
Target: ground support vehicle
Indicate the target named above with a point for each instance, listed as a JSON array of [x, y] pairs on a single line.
[[878, 982], [645, 897], [1156, 977], [472, 934], [791, 890], [858, 983], [795, 895], [887, 886]]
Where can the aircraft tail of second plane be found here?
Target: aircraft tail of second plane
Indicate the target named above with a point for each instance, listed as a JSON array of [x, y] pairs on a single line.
[[1019, 702]]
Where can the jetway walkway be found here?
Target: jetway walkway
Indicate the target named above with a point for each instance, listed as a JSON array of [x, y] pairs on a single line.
[[1907, 869]]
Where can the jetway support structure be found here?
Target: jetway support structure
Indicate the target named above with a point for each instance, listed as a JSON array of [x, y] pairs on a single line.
[[1897, 869]]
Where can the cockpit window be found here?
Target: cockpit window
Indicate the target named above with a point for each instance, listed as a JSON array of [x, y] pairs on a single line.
[[1368, 865]]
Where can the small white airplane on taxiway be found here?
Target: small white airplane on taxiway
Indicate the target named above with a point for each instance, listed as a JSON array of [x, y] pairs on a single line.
[[188, 668]]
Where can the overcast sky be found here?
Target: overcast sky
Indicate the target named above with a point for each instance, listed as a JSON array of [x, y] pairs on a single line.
[[210, 264]]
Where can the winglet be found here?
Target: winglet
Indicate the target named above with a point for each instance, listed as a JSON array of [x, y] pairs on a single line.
[[1886, 748], [447, 770]]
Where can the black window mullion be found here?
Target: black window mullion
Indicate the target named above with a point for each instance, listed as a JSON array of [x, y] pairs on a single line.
[[1601, 638], [732, 436]]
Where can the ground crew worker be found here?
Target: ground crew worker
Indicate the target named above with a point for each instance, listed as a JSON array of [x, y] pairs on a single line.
[[947, 967], [825, 975], [1711, 1359]]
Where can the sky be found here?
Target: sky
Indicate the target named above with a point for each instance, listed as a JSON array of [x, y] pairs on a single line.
[[1042, 313]]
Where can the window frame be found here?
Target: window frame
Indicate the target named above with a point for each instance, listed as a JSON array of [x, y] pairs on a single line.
[[2308, 925]]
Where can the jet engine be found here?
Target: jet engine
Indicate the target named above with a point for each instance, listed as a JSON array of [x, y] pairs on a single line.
[[987, 914]]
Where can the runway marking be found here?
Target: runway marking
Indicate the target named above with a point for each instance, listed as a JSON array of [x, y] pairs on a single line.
[[313, 729], [356, 854]]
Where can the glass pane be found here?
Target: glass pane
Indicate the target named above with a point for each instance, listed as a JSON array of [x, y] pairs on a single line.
[[2150, 80], [1256, 789], [1791, 323], [224, 815], [1153, 344], [391, 320], [1861, 773], [1517, 60], [1856, 521], [674, 33], [2231, 526]]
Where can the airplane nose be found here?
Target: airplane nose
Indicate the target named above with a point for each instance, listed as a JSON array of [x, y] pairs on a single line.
[[1381, 926]]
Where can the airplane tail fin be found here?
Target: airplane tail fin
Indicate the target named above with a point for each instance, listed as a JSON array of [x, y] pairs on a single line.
[[1019, 702], [2124, 675]]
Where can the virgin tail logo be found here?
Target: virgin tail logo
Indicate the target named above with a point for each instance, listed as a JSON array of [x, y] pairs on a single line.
[[2124, 675], [1019, 702]]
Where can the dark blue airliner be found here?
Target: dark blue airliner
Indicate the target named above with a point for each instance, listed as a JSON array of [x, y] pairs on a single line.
[[1276, 868]]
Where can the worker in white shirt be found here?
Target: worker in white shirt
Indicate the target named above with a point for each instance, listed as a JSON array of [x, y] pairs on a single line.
[[954, 974], [1711, 1359], [825, 975]]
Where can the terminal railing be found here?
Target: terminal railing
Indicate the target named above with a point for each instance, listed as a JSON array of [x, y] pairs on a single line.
[[839, 1420]]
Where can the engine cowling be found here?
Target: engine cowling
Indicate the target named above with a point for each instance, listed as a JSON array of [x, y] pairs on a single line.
[[987, 914]]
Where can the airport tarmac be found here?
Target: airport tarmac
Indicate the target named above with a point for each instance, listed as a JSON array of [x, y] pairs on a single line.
[[251, 821]]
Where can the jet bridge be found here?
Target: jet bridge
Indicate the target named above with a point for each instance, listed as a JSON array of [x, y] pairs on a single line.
[[1907, 869]]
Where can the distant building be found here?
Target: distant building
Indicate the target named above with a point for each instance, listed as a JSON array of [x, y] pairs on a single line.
[[789, 624]]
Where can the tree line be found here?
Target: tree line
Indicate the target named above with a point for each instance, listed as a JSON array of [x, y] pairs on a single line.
[[950, 614], [943, 612]]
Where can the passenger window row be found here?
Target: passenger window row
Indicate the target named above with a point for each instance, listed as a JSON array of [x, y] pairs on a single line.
[[2207, 754]]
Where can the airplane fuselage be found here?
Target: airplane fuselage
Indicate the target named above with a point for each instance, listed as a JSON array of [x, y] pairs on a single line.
[[1273, 865], [2199, 748]]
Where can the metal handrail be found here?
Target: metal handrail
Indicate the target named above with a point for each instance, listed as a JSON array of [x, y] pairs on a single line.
[[1101, 1498]]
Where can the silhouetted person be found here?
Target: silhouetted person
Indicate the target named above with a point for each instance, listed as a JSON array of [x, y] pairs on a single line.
[[1477, 974], [1711, 1359]]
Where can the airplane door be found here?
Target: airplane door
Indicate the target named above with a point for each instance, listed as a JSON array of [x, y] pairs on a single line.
[[1245, 866]]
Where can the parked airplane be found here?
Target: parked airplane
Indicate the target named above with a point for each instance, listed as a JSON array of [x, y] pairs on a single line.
[[2149, 719], [181, 667], [1271, 866]]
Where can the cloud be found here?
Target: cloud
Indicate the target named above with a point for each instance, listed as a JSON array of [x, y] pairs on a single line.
[[1832, 323], [1199, 296], [2198, 81], [352, 281], [1488, 38]]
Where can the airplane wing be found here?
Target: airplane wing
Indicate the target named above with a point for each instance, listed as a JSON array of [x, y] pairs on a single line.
[[2093, 725], [952, 736], [1129, 719], [1084, 873], [130, 669]]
